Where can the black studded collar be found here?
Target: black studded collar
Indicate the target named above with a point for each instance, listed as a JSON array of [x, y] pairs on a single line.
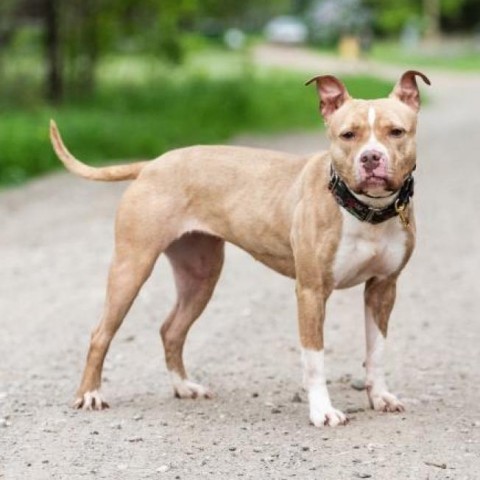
[[365, 213]]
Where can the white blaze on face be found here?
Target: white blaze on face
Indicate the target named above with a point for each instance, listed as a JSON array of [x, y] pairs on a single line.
[[371, 117], [372, 143]]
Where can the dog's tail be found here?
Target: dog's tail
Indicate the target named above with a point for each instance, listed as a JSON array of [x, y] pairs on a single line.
[[114, 173]]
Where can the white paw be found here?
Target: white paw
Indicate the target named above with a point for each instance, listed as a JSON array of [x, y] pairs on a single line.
[[184, 388], [91, 400], [188, 389], [330, 417], [383, 401]]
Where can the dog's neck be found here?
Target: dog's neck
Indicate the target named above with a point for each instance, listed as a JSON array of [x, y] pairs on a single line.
[[371, 209]]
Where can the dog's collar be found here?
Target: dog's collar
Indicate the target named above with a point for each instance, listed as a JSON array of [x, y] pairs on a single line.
[[365, 213]]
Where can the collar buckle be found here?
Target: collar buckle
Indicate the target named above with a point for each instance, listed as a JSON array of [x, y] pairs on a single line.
[[370, 214], [334, 179], [400, 208]]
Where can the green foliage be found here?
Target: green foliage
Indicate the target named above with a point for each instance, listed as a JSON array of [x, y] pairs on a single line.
[[142, 121], [391, 15], [461, 59], [451, 8]]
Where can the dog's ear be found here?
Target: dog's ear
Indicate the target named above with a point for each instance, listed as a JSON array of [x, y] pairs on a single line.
[[332, 94], [406, 90]]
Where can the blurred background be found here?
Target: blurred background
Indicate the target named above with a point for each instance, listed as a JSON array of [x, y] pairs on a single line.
[[129, 79]]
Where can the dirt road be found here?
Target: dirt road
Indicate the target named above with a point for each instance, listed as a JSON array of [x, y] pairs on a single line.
[[55, 243]]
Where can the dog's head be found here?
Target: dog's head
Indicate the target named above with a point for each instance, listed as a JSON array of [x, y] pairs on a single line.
[[372, 141]]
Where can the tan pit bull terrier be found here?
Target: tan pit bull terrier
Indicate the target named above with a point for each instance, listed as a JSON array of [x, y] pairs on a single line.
[[333, 220]]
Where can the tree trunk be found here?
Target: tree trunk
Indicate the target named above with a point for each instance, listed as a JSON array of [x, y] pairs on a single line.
[[431, 10], [54, 79], [90, 45]]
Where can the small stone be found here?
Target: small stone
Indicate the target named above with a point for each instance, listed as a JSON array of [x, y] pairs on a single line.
[[297, 398], [163, 469], [135, 439], [363, 475], [232, 449], [305, 449], [276, 410], [358, 384], [443, 466], [351, 410], [138, 417], [254, 395], [4, 422]]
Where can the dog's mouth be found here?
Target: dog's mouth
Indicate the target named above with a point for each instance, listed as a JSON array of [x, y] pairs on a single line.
[[375, 185]]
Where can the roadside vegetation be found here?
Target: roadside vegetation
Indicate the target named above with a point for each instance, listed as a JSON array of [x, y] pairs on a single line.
[[140, 111], [455, 56], [131, 79]]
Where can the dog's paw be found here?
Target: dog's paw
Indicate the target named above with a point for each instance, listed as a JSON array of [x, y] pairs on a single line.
[[91, 400], [188, 389], [184, 388], [327, 417], [385, 402]]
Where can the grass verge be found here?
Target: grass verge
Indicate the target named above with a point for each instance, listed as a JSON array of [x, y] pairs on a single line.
[[123, 121], [447, 57]]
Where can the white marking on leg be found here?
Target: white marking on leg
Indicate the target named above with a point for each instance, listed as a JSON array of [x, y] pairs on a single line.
[[185, 388], [91, 400], [314, 381], [380, 398], [375, 349]]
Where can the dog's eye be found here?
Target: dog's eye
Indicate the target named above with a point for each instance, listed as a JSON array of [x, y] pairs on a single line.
[[397, 132], [349, 135]]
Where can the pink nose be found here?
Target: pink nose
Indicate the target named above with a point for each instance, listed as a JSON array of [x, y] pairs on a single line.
[[371, 160]]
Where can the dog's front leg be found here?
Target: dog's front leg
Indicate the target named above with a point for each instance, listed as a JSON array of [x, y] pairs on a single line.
[[379, 300], [311, 314]]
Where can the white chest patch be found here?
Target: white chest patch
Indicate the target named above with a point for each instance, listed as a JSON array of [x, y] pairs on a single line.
[[366, 251]]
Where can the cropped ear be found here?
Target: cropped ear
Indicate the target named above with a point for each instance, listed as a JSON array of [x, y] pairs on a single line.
[[332, 94], [406, 90]]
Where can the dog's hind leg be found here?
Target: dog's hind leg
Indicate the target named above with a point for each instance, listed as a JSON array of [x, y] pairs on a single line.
[[140, 237], [197, 261]]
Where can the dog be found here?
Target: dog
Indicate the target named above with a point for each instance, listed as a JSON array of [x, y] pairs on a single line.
[[330, 221]]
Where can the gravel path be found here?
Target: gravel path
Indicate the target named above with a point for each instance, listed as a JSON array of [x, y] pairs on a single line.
[[56, 241]]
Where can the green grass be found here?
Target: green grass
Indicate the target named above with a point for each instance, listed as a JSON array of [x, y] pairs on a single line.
[[137, 118], [448, 57]]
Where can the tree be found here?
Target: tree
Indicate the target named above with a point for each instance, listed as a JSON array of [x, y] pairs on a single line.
[[54, 81], [391, 15]]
